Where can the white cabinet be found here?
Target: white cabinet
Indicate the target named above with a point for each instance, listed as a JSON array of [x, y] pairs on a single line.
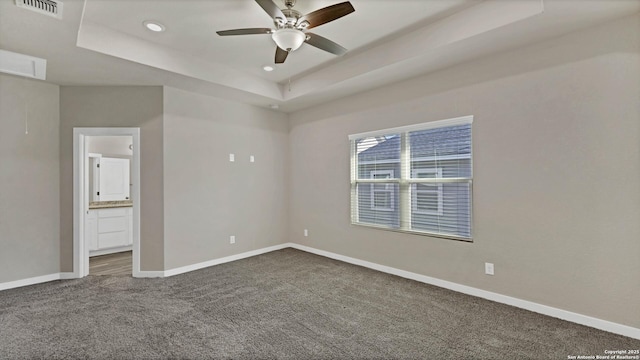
[[109, 179], [112, 231]]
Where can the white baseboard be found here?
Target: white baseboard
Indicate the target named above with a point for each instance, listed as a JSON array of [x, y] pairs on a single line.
[[149, 274], [202, 265], [68, 275], [29, 281], [523, 304]]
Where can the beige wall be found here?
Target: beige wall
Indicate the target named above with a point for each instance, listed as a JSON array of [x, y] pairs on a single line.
[[29, 179], [207, 198], [556, 164], [117, 106], [110, 146]]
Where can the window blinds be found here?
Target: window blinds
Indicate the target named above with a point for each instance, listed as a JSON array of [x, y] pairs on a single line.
[[416, 179]]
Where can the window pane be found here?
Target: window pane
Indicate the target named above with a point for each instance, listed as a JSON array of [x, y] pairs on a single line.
[[378, 204], [453, 214], [447, 149], [380, 154]]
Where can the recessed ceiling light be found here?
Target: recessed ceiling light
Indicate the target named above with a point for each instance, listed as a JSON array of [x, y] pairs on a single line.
[[268, 68], [154, 26], [274, 106]]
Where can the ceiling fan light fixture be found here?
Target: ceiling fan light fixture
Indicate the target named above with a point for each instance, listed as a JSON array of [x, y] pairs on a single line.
[[288, 39]]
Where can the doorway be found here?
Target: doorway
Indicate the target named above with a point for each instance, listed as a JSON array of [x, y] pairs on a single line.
[[123, 211]]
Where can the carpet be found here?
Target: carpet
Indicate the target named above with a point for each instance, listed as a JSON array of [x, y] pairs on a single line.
[[286, 304]]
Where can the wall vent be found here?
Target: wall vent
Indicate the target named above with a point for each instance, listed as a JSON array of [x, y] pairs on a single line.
[[47, 7]]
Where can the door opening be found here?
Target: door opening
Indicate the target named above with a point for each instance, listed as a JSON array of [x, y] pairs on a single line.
[[106, 200]]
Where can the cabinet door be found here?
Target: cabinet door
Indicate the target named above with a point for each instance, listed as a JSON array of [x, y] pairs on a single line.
[[114, 179], [91, 230], [112, 228]]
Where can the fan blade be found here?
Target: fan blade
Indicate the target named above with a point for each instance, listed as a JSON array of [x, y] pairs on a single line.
[[281, 55], [327, 14], [253, 31], [325, 44], [271, 8]]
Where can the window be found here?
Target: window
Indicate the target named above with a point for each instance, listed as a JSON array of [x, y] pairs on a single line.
[[416, 179]]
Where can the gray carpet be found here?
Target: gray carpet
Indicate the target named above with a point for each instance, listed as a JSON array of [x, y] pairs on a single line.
[[286, 304]]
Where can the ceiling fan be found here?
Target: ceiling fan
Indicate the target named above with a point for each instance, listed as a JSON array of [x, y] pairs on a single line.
[[291, 27]]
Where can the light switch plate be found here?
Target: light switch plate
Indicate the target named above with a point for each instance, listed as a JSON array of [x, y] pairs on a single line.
[[232, 157]]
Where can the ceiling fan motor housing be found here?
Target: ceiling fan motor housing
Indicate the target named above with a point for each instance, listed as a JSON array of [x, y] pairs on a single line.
[[291, 21]]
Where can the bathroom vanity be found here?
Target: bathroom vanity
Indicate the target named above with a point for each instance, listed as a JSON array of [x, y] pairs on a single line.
[[109, 227]]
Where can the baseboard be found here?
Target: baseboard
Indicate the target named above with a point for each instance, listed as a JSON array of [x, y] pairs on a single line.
[[68, 275], [508, 300], [149, 274], [523, 304], [29, 281], [202, 265]]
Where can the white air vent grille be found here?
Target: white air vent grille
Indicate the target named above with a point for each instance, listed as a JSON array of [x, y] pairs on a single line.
[[46, 7]]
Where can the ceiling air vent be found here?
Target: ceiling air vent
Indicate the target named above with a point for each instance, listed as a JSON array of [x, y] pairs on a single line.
[[47, 7]]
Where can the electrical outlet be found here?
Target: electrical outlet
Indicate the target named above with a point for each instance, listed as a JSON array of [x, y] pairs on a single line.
[[232, 239], [488, 268], [306, 232]]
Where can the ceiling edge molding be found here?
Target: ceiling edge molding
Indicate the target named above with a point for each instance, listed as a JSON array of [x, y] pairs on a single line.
[[424, 43], [106, 41]]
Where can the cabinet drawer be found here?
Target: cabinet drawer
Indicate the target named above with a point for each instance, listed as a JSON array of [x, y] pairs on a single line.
[[107, 225], [115, 212], [112, 239]]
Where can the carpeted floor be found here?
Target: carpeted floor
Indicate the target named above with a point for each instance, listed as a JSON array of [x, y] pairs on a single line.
[[286, 304]]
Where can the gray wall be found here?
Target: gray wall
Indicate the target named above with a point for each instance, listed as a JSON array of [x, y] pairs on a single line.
[[206, 197], [556, 162], [117, 106], [29, 179]]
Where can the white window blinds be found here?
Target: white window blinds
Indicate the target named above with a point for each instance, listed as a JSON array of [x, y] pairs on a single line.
[[415, 179]]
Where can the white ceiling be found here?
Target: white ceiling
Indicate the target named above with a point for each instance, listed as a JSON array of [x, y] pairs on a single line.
[[103, 42]]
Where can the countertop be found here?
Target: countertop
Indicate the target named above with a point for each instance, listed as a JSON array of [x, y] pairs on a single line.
[[110, 204]]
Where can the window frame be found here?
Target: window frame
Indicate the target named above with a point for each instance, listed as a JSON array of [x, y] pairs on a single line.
[[405, 181]]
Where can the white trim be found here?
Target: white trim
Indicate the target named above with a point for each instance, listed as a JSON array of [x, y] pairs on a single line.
[[29, 281], [202, 265], [80, 205], [463, 120], [150, 274], [519, 303], [605, 325], [67, 275], [427, 158]]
